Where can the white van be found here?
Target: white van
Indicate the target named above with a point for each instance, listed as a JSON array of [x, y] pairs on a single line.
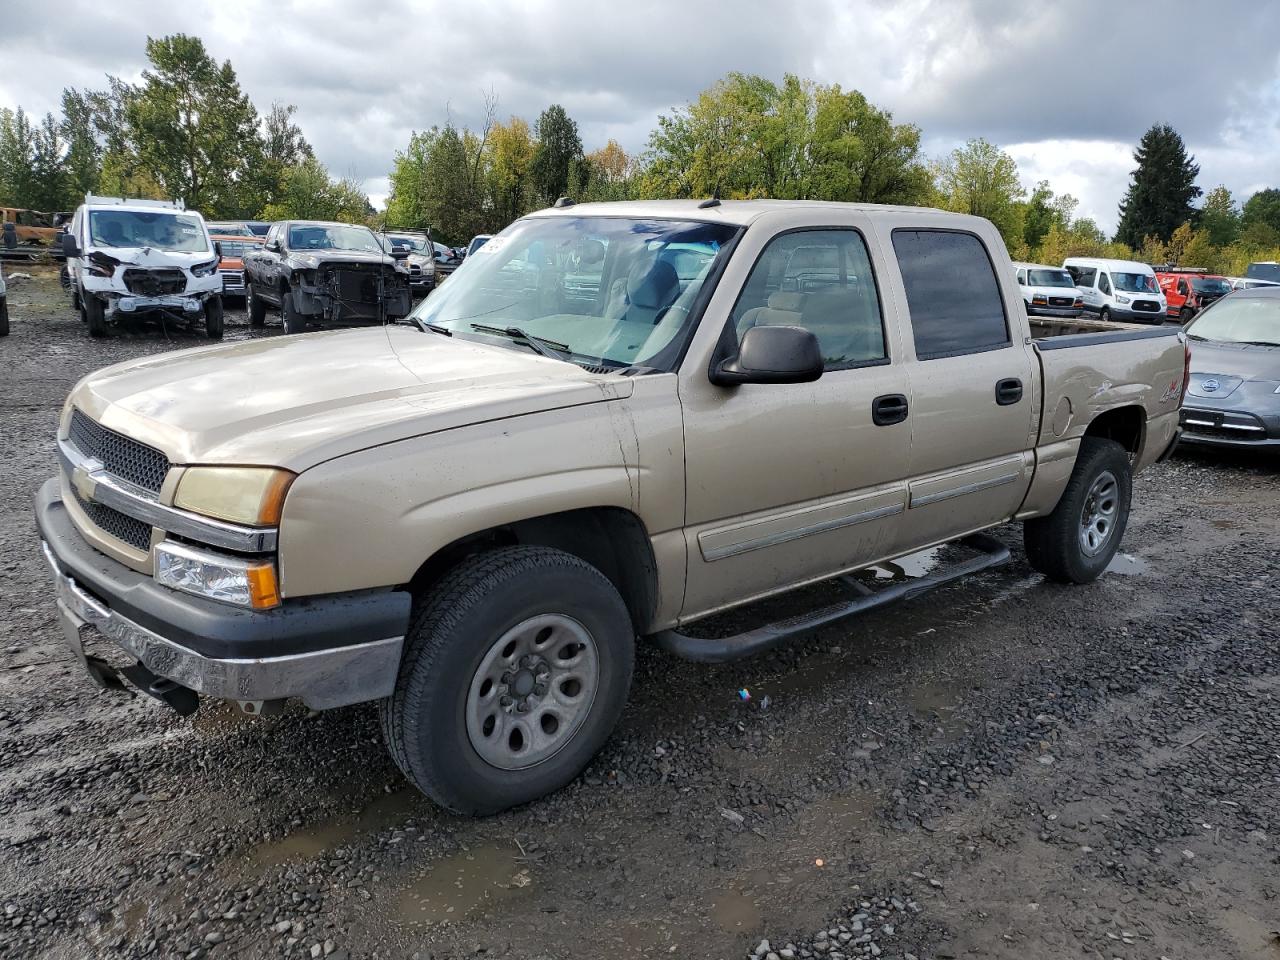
[[129, 257], [1123, 290], [1048, 291]]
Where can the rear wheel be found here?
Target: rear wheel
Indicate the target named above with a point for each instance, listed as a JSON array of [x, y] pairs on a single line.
[[94, 314], [213, 317], [515, 671], [294, 321], [257, 308], [1185, 315], [1077, 540], [1104, 315]]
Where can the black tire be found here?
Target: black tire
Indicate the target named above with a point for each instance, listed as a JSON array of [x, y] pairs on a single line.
[[213, 317], [1055, 543], [1186, 315], [1104, 315], [257, 309], [4, 317], [294, 322], [94, 314], [453, 632]]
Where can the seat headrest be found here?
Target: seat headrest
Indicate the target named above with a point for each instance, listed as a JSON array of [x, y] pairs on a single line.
[[652, 284], [786, 300]]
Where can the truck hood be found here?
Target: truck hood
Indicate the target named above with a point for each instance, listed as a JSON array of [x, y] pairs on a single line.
[[148, 256], [297, 401], [1224, 366]]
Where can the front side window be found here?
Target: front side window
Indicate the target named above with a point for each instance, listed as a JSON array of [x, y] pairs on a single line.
[[820, 280], [952, 293], [1104, 284], [1212, 286], [137, 228], [1083, 276], [612, 292]]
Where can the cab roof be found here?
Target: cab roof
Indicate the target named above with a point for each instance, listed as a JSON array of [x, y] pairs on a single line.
[[736, 212]]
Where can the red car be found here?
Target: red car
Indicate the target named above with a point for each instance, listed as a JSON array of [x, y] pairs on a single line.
[[1189, 290]]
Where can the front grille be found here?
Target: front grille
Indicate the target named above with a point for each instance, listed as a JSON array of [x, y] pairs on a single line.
[[121, 526], [1150, 306], [155, 283], [232, 281], [120, 456], [1061, 301]]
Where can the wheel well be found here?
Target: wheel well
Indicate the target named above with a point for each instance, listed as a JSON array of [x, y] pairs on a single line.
[[1125, 425], [611, 539]]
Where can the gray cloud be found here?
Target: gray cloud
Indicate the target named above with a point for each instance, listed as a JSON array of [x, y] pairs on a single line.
[[1052, 79]]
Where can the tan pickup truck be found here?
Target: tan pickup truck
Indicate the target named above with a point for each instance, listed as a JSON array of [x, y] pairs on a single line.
[[613, 421]]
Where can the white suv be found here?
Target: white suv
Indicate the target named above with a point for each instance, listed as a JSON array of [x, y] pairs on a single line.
[[129, 257]]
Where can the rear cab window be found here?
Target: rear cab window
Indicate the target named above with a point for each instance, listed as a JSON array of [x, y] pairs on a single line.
[[953, 295]]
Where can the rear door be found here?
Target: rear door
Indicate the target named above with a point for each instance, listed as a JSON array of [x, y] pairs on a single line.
[[973, 382]]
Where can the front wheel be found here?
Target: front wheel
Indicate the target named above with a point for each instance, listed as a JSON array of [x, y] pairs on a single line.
[[1186, 315], [4, 317], [515, 671], [213, 318], [257, 308], [294, 320], [1075, 542], [94, 314], [1104, 315]]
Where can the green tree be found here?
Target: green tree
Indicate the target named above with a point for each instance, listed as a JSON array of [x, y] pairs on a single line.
[[280, 148], [508, 170], [83, 161], [981, 179], [558, 147], [1039, 215], [1263, 208], [48, 190], [1163, 186], [191, 126], [860, 155], [1220, 217], [17, 158], [309, 193], [608, 174], [432, 185]]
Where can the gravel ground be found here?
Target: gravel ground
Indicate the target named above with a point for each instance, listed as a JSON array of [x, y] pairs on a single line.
[[1005, 768]]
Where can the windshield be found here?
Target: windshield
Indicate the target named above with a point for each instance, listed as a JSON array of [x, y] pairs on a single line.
[[236, 248], [1134, 282], [476, 244], [416, 244], [1240, 319], [1049, 278], [611, 291], [161, 231], [1210, 285], [333, 236]]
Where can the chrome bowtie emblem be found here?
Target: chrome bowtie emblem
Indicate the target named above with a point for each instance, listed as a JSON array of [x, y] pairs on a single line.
[[84, 483], [1210, 385]]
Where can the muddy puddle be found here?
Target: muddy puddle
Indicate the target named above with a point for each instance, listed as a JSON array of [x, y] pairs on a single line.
[[1127, 565], [461, 885], [936, 701], [388, 810], [913, 566]]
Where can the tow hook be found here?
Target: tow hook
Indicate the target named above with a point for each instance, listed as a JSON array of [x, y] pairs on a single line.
[[184, 700]]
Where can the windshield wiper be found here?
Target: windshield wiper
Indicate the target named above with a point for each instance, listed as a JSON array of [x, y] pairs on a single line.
[[1193, 336], [539, 345]]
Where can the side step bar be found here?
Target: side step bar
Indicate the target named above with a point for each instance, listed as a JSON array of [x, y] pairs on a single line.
[[748, 644]]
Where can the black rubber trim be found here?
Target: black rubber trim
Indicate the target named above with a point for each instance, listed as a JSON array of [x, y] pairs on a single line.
[[1069, 340], [212, 629]]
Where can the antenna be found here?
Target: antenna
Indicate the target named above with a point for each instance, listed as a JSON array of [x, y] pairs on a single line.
[[713, 202], [563, 202]]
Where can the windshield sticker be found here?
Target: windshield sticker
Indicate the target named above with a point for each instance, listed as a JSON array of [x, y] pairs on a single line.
[[492, 245]]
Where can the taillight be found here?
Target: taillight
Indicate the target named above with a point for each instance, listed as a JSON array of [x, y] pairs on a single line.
[[1186, 369]]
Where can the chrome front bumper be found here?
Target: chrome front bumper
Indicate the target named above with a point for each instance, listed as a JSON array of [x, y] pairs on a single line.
[[322, 679]]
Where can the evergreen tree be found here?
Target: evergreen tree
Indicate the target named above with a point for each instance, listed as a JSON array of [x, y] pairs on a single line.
[[1164, 184], [558, 147], [1263, 208], [1219, 217]]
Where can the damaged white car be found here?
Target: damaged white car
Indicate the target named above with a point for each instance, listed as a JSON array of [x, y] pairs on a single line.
[[132, 258]]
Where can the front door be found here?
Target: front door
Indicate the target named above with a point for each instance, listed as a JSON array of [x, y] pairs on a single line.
[[793, 482], [974, 400]]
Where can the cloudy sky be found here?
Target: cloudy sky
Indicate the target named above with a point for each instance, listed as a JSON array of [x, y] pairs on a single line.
[[1066, 87]]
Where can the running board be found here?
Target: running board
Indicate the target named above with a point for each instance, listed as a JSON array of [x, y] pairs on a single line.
[[752, 642]]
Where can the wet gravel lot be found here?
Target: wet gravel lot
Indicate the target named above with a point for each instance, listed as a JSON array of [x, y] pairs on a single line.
[[1003, 768]]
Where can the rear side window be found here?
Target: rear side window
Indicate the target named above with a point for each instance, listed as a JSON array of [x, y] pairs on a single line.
[[952, 293]]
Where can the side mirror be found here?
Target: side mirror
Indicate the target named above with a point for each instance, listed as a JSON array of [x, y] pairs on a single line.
[[69, 246], [272, 245], [772, 355], [217, 248], [399, 253]]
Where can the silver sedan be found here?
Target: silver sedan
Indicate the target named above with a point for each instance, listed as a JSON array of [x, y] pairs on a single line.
[[1234, 395]]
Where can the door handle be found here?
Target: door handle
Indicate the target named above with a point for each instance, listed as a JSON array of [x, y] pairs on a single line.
[[1008, 391], [889, 409]]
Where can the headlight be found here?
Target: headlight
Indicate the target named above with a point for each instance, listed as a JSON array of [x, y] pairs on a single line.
[[205, 269], [245, 583], [252, 495], [1120, 299]]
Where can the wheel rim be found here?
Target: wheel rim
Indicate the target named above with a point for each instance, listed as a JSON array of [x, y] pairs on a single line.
[[1098, 518], [532, 691]]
